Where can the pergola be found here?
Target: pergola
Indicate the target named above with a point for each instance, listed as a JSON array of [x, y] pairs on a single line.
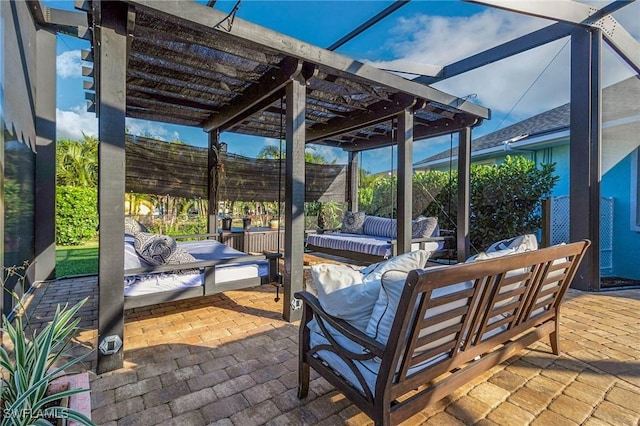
[[185, 63]]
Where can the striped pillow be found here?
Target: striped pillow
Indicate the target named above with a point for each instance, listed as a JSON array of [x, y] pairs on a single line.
[[380, 226]]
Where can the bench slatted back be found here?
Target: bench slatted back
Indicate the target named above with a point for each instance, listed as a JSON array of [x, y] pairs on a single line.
[[461, 312]]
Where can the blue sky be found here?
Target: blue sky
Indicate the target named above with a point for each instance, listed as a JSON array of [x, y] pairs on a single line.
[[423, 31]]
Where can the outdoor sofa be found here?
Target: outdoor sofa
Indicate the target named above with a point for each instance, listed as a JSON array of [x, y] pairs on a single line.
[[372, 238], [403, 340]]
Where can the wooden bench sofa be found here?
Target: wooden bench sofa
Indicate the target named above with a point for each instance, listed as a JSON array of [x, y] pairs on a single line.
[[460, 321]]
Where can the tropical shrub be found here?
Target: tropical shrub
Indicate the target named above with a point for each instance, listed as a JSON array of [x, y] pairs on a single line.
[[505, 199], [379, 197], [32, 364], [30, 361], [76, 214]]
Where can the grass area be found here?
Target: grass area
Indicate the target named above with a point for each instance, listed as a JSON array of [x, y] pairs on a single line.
[[77, 260]]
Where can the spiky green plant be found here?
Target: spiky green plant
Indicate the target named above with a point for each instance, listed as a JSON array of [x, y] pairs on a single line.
[[31, 366]]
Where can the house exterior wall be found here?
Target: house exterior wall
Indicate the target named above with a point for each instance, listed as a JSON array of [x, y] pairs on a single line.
[[626, 241], [615, 184]]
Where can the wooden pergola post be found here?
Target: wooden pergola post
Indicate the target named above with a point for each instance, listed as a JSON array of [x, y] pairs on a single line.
[[112, 66], [213, 180], [463, 241], [585, 146], [294, 198], [45, 170], [353, 181], [404, 138]]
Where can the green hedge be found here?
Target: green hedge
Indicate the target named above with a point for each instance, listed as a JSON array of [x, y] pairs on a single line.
[[505, 200], [76, 214]]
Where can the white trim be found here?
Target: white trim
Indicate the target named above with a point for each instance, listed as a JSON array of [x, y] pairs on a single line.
[[635, 191]]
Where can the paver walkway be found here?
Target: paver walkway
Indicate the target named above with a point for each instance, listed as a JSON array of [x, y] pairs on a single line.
[[229, 359]]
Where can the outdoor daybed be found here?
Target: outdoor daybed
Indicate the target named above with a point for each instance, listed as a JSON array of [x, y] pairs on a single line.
[[158, 270], [372, 238], [431, 330]]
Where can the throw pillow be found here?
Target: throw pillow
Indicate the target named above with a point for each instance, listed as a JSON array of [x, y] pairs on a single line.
[[485, 255], [404, 262], [353, 222], [343, 294], [132, 226], [154, 248], [527, 242], [423, 227], [180, 256]]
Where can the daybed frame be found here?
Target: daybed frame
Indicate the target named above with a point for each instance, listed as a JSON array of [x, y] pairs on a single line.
[[209, 287], [526, 307]]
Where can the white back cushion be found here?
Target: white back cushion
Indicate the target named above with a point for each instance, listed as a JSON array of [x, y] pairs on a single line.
[[343, 294]]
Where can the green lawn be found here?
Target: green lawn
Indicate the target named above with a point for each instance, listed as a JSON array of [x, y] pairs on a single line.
[[77, 260]]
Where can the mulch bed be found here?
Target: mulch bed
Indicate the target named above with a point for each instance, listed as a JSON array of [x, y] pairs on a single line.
[[611, 282]]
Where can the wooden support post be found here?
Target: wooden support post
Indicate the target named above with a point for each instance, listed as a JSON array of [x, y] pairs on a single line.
[[546, 223], [45, 176], [213, 180], [463, 241], [584, 161], [353, 181], [404, 137], [112, 64], [294, 198]]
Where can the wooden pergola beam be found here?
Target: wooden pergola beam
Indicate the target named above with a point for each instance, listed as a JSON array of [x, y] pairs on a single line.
[[258, 97], [443, 126], [377, 112]]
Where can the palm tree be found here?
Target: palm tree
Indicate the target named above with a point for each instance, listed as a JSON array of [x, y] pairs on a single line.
[[77, 162]]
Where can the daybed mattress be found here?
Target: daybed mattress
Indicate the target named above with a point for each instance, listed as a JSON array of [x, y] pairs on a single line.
[[137, 285], [367, 244]]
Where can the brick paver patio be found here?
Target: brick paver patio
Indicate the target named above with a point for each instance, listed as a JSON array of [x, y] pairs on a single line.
[[230, 359]]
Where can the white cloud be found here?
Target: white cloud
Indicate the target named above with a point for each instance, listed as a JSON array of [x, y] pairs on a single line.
[[76, 121], [528, 83], [69, 64], [329, 153], [150, 129], [73, 123]]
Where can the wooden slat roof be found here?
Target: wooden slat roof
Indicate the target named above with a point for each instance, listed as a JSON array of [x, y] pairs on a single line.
[[184, 68]]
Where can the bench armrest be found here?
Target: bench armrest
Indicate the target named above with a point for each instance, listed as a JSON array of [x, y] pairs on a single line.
[[311, 302]]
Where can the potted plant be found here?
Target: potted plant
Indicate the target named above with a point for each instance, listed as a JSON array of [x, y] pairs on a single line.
[[32, 364], [246, 223], [226, 223]]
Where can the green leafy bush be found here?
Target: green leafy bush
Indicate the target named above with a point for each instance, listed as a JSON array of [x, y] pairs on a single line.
[[379, 198], [505, 199], [76, 214]]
